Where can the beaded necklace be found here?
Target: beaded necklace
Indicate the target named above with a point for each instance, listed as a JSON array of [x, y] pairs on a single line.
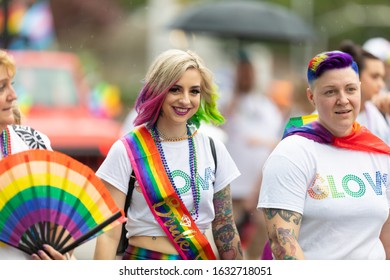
[[193, 169], [5, 143]]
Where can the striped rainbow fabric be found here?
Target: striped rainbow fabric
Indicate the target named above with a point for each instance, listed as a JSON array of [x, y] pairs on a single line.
[[360, 138], [302, 120], [137, 253]]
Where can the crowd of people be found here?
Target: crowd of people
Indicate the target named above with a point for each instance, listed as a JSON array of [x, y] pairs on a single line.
[[264, 187]]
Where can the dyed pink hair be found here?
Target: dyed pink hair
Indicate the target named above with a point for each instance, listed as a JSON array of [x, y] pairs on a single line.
[[148, 105]]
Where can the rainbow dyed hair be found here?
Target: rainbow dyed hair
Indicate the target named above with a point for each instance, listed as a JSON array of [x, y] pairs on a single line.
[[163, 73], [328, 61]]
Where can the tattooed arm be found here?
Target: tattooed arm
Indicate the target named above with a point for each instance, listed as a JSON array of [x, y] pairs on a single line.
[[225, 233], [283, 230]]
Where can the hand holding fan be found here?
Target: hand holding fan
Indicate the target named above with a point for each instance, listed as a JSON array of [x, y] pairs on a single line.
[[47, 197]]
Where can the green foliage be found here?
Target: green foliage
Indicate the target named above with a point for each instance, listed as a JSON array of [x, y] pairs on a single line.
[[340, 13]]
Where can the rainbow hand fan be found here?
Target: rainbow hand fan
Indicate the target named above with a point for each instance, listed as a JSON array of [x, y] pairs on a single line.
[[47, 197]]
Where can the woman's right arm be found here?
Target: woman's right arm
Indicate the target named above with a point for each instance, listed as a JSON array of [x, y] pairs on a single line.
[[107, 243], [283, 230]]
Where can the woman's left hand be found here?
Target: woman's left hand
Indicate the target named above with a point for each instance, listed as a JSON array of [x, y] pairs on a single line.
[[49, 253]]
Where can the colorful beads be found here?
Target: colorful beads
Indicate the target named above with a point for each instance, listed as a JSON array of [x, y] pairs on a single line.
[[193, 168], [5, 143]]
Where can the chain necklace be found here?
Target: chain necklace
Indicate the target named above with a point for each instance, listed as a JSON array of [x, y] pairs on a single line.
[[193, 169], [163, 138], [5, 143]]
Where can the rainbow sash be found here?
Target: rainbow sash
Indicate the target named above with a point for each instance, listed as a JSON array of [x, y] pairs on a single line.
[[163, 201], [361, 139]]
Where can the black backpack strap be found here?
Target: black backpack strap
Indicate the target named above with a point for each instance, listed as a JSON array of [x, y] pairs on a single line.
[[123, 242], [213, 152], [130, 191]]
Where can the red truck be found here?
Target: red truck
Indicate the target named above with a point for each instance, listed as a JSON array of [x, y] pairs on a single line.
[[54, 98]]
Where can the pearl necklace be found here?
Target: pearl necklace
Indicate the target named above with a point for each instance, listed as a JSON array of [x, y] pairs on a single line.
[[193, 169], [5, 143]]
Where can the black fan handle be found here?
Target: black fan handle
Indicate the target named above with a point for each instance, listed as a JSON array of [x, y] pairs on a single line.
[[92, 232]]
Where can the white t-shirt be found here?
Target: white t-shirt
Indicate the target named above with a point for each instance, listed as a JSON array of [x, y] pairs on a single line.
[[373, 119], [116, 170], [255, 117], [343, 196], [18, 145]]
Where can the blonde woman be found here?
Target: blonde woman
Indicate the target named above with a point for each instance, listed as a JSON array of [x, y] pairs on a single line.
[[179, 191]]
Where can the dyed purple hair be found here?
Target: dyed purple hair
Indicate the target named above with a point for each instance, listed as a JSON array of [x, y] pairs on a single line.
[[328, 61]]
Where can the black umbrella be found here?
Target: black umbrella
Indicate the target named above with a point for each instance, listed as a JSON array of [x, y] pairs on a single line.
[[245, 20]]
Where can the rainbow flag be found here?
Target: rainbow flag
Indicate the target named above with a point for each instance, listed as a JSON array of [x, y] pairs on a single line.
[[360, 139], [300, 121]]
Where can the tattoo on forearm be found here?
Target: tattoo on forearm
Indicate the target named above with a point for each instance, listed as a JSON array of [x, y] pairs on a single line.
[[280, 252], [225, 232], [225, 235], [284, 240], [223, 206], [286, 215], [285, 248]]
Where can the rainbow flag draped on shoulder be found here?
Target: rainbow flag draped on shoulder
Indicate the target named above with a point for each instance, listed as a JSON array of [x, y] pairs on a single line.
[[361, 139], [165, 204]]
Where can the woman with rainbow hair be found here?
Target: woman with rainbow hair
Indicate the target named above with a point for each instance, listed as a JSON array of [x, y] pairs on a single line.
[[326, 190], [180, 190]]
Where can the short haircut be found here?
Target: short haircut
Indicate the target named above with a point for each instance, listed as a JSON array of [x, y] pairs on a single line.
[[325, 61]]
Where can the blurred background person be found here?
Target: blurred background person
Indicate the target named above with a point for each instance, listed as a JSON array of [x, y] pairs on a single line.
[[372, 74], [281, 92], [253, 126], [380, 47], [300, 105]]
